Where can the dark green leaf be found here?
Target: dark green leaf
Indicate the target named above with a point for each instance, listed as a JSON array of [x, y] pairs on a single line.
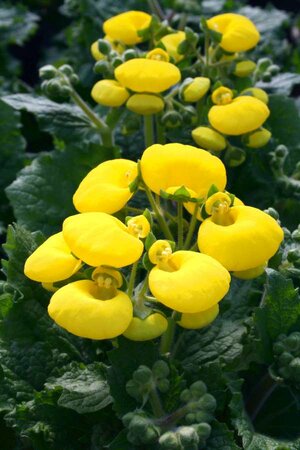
[[16, 24], [221, 438], [266, 20], [284, 121]]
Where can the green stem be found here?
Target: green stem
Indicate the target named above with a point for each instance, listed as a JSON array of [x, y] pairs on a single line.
[[168, 336], [156, 404], [148, 131], [132, 279], [192, 227], [180, 224], [194, 248], [206, 48], [160, 218], [183, 21], [134, 210], [160, 131], [105, 131], [142, 293], [156, 8]]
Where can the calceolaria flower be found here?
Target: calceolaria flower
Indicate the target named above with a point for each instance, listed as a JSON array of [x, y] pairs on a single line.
[[209, 139], [109, 93], [257, 138], [125, 26], [175, 165], [146, 329], [239, 237], [115, 45], [100, 239], [186, 281], [106, 188], [244, 68], [52, 261], [239, 34], [199, 320], [145, 104], [93, 309], [195, 88], [171, 42], [147, 75]]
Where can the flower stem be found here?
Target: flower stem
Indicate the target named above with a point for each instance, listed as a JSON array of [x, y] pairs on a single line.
[[160, 218], [148, 131], [156, 404], [168, 336], [132, 279], [105, 131], [192, 227], [180, 224], [160, 131]]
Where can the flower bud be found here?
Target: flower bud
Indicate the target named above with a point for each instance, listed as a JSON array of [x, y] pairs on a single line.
[[222, 96], [102, 68], [158, 54], [47, 72], [244, 68], [171, 43], [169, 441], [104, 46], [145, 104], [199, 320], [209, 139], [195, 90], [250, 273], [160, 369], [258, 138], [146, 329], [171, 119], [109, 93], [258, 93]]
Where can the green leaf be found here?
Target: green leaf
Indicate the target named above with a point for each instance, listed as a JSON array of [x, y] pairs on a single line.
[[83, 388], [41, 196], [121, 442], [12, 389], [282, 83], [12, 146], [284, 120], [66, 121], [281, 307], [221, 438], [266, 20], [16, 24]]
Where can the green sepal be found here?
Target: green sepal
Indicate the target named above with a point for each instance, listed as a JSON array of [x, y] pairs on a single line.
[[148, 216], [149, 241], [134, 185], [212, 190], [147, 263]]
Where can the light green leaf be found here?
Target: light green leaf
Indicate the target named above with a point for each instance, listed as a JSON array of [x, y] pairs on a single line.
[[282, 83], [266, 20]]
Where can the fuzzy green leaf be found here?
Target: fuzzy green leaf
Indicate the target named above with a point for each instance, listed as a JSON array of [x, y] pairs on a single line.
[[16, 24]]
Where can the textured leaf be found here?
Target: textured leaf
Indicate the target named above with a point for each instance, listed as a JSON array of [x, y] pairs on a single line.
[[12, 146], [84, 388], [266, 20], [221, 438], [41, 196], [284, 120], [16, 23], [282, 83]]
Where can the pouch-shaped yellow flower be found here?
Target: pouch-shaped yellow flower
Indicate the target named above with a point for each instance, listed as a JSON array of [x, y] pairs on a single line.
[[101, 240], [171, 42], [209, 139], [105, 188], [109, 93], [251, 238], [78, 308], [258, 93], [258, 138], [200, 319], [147, 75], [242, 115], [145, 329], [145, 104], [52, 261], [239, 34], [170, 165], [193, 282], [125, 26], [197, 88]]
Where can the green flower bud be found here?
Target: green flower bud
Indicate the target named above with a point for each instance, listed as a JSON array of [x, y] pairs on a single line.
[[74, 79], [293, 256], [117, 62], [142, 375], [285, 358], [296, 235], [234, 156], [160, 369], [129, 54], [203, 416], [209, 139], [258, 93], [171, 119], [169, 441], [273, 213], [133, 389], [196, 89], [104, 46], [274, 69], [127, 418], [203, 430], [281, 151], [47, 72], [185, 396], [102, 67], [190, 418], [244, 68], [163, 385], [257, 138], [188, 436], [284, 372], [264, 63], [66, 69], [198, 389], [278, 348], [208, 402]]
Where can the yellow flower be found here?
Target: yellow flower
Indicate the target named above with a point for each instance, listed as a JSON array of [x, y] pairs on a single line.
[[109, 93], [52, 261], [171, 43], [190, 206], [170, 165], [147, 75], [258, 138], [97, 55], [222, 96], [209, 139], [159, 54], [248, 239], [244, 68], [105, 188], [145, 329], [200, 319], [250, 273], [78, 308], [145, 104], [139, 226], [125, 26], [258, 93], [196, 89], [189, 282], [242, 115], [239, 34], [100, 239]]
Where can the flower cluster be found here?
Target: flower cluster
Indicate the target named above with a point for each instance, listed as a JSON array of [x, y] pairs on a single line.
[[85, 264]]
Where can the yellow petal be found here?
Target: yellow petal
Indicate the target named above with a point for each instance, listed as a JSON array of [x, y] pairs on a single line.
[[242, 115], [200, 319], [145, 104], [165, 166], [239, 34], [125, 26], [198, 283], [251, 239], [209, 139], [190, 207], [109, 93], [52, 261], [101, 240], [105, 188], [145, 329], [258, 93], [196, 89], [171, 42], [250, 273], [147, 75], [76, 308], [258, 138]]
